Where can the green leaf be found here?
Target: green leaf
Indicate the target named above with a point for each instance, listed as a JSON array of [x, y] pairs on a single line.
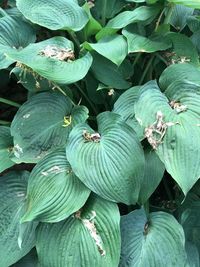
[[6, 143], [54, 192], [42, 124], [170, 124], [54, 15], [124, 106], [48, 59], [179, 72], [12, 198], [138, 43], [179, 16], [189, 3], [155, 241], [154, 170], [110, 162], [112, 47], [89, 238], [14, 35], [193, 258], [108, 73], [125, 18]]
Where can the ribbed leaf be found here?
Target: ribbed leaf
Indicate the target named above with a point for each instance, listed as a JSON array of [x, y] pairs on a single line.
[[157, 241], [124, 106], [189, 3], [30, 260], [89, 238], [108, 73], [138, 43], [110, 162], [112, 47], [125, 18], [14, 34], [54, 192], [6, 143], [42, 124], [193, 258], [51, 59], [179, 16], [171, 125], [154, 170], [12, 198], [54, 15], [179, 72]]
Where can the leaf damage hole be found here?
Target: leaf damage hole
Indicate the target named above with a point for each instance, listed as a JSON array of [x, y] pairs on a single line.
[[94, 137], [156, 132], [62, 54], [177, 106], [90, 225]]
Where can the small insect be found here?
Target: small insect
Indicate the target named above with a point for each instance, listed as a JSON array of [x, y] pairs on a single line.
[[95, 137]]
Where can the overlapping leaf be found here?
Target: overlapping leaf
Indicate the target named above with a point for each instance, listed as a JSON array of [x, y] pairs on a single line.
[[12, 198], [171, 125], [110, 162], [193, 3], [54, 15], [155, 241], [180, 15], [125, 18], [112, 47], [51, 59], [89, 238], [42, 124], [54, 192], [6, 144], [14, 35], [30, 260]]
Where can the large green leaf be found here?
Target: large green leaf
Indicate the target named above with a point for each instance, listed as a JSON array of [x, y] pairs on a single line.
[[179, 16], [124, 106], [6, 143], [89, 238], [154, 170], [51, 59], [108, 73], [54, 192], [14, 35], [125, 18], [189, 3], [110, 162], [171, 125], [179, 72], [138, 43], [112, 47], [12, 198], [54, 15], [155, 241], [42, 124]]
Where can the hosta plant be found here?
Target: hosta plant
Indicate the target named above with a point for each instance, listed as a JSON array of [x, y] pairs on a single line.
[[99, 133]]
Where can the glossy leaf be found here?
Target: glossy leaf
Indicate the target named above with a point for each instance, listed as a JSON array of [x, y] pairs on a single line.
[[50, 59], [42, 124], [6, 144], [111, 166], [124, 106], [54, 192], [91, 237], [179, 16], [54, 15], [12, 197], [155, 241], [112, 47], [171, 125], [193, 3]]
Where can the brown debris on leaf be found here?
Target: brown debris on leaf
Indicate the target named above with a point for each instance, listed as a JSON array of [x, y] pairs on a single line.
[[62, 54], [177, 106], [95, 137], [156, 132]]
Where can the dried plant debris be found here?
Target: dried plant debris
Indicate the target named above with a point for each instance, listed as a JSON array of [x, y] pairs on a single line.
[[173, 58], [156, 132], [95, 137], [90, 225], [62, 54], [177, 106]]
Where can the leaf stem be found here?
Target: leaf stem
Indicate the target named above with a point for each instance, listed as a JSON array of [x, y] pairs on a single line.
[[159, 19], [5, 122], [87, 98], [103, 17], [169, 13], [9, 102], [148, 66], [137, 58], [146, 208]]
